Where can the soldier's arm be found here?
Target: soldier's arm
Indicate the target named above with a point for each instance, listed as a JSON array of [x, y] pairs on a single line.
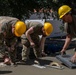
[[28, 32], [42, 43]]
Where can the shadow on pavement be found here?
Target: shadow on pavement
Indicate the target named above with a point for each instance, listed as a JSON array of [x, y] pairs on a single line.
[[31, 62], [5, 72]]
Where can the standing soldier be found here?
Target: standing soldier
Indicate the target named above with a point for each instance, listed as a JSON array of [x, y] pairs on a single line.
[[10, 29], [31, 38]]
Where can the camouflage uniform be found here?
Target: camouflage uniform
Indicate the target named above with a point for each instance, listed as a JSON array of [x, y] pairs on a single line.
[[2, 46], [9, 39], [35, 37]]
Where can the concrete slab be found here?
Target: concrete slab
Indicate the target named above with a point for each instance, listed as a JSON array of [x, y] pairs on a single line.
[[65, 59]]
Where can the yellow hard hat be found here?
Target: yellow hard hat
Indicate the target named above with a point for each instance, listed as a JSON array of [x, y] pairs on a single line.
[[20, 28], [63, 10], [48, 28]]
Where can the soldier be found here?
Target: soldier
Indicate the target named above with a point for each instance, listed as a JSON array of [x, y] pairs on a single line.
[[10, 29], [31, 38], [66, 15]]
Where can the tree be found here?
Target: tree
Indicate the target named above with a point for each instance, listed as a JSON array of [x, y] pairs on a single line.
[[19, 8]]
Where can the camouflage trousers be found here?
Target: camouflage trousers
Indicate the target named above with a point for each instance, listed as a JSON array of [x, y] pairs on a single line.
[[26, 48], [11, 48], [2, 51]]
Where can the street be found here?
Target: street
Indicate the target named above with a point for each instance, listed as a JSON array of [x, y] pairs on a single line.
[[27, 68]]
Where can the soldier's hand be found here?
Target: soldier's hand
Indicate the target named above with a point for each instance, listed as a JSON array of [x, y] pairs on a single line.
[[63, 52], [11, 49], [73, 59], [32, 44]]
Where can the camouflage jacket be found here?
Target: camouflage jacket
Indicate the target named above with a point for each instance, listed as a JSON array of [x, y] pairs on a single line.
[[37, 28], [6, 24]]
